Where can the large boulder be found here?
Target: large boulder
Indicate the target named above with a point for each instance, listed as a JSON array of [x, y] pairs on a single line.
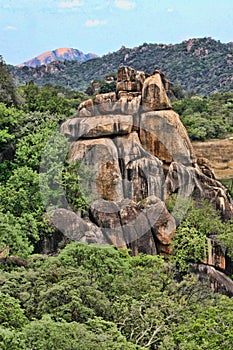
[[189, 181], [154, 95], [129, 102], [163, 135], [142, 173], [100, 157], [106, 103], [144, 227], [130, 80], [162, 223], [86, 109], [105, 214], [97, 126], [75, 228]]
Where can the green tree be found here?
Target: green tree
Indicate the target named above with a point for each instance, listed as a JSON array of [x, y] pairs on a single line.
[[11, 314], [7, 88]]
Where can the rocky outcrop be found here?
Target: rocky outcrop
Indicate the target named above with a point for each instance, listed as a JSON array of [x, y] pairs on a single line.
[[163, 135], [216, 280], [130, 80], [101, 157], [154, 95], [139, 154], [140, 226], [98, 126]]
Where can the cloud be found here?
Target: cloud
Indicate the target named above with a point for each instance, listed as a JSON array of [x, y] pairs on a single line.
[[170, 9], [70, 4], [95, 22], [125, 5], [10, 28]]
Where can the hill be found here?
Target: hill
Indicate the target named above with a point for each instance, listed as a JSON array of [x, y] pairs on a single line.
[[60, 54], [201, 66], [219, 153]]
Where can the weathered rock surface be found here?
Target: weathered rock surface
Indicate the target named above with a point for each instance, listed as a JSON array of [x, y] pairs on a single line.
[[86, 109], [164, 136], [130, 80], [101, 158], [97, 126], [217, 280], [106, 103], [187, 181], [144, 226], [75, 228], [139, 154], [142, 173], [154, 95]]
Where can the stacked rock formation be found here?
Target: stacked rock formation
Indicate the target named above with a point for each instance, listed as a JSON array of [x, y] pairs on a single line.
[[139, 153]]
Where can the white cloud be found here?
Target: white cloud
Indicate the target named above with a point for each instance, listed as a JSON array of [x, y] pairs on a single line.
[[170, 9], [10, 28], [123, 4], [95, 22], [70, 4]]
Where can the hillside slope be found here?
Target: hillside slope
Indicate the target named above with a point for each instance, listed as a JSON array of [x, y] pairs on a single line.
[[199, 65], [219, 154], [60, 54]]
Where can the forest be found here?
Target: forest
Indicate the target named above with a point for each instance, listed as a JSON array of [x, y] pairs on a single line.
[[90, 296]]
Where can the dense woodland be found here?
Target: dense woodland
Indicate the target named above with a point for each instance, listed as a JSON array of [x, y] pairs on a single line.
[[202, 66], [91, 297]]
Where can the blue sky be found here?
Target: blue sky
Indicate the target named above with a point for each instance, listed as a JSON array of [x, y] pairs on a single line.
[[31, 27]]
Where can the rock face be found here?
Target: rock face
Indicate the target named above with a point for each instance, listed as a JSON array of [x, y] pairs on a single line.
[[139, 154]]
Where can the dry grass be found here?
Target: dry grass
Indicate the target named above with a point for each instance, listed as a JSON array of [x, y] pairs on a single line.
[[220, 155]]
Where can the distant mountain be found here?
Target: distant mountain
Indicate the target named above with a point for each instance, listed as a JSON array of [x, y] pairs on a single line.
[[60, 54], [201, 65]]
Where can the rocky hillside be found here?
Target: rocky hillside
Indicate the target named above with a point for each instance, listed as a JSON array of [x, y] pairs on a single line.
[[60, 54], [200, 65], [140, 156], [219, 155]]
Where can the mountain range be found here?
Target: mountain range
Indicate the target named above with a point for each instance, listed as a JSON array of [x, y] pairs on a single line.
[[199, 65], [60, 54]]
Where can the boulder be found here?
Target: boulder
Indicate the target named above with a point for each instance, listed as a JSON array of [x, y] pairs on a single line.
[[188, 181], [86, 109], [106, 103], [136, 228], [105, 214], [163, 135], [138, 153], [154, 95], [101, 159], [142, 173], [162, 223], [142, 227], [129, 102], [98, 126], [73, 227], [130, 79]]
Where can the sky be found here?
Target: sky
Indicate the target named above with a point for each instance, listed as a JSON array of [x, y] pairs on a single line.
[[31, 27]]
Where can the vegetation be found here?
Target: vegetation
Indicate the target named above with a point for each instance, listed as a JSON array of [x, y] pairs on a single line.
[[7, 89], [206, 118], [25, 131], [202, 66], [90, 297]]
